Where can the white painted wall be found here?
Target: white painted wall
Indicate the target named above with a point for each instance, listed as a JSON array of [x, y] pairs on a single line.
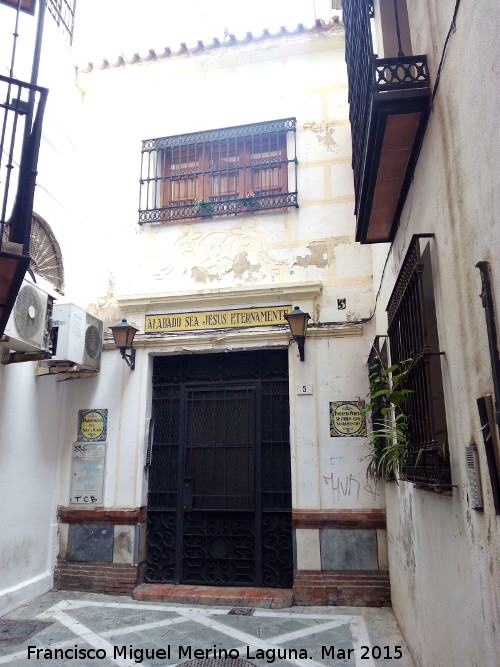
[[299, 77], [32, 421], [32, 410], [444, 557]]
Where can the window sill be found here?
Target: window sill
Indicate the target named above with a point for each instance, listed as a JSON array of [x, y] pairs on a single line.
[[439, 489]]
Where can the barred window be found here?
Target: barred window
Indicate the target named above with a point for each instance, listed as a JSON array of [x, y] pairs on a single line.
[[63, 13], [228, 171], [413, 334]]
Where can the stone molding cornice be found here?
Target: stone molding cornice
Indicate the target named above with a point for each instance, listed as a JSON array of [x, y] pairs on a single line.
[[215, 298], [214, 338]]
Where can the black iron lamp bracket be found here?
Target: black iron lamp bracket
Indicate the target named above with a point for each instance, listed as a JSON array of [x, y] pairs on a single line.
[[129, 358]]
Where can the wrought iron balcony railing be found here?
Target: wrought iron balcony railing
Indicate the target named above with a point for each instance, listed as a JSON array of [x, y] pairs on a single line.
[[380, 88], [22, 107], [228, 171]]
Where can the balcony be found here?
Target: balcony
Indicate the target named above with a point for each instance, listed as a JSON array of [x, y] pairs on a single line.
[[389, 106], [21, 113], [227, 171]]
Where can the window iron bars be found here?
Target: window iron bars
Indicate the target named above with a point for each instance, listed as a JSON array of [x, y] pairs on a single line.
[[413, 335], [63, 12], [219, 172]]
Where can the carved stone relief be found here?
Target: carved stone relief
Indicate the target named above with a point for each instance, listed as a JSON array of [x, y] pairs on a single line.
[[239, 252]]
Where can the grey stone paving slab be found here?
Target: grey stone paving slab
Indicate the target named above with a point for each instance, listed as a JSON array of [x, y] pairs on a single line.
[[299, 628], [117, 618]]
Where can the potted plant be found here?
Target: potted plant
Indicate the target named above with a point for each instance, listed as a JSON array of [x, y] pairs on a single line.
[[203, 207], [390, 439]]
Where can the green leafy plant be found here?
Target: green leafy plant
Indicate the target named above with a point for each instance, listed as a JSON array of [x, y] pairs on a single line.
[[389, 440], [203, 207]]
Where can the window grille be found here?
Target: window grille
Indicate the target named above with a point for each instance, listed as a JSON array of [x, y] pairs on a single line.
[[413, 334], [63, 12], [228, 171]]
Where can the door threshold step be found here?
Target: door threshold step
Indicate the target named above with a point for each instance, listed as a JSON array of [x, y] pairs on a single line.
[[226, 596]]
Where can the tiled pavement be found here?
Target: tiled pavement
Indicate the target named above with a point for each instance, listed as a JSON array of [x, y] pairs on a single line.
[[120, 630]]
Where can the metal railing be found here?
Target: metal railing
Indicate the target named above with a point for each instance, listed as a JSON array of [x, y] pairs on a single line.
[[226, 171], [368, 75], [359, 56], [413, 336], [63, 13], [22, 107]]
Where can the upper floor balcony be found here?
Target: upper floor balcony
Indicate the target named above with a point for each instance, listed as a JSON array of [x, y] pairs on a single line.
[[227, 171], [21, 114], [389, 100]]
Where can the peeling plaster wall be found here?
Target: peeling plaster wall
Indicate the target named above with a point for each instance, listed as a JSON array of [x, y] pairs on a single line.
[[444, 557], [303, 77]]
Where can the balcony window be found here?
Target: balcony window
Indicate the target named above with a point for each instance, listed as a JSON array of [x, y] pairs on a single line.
[[413, 334], [230, 171], [389, 101]]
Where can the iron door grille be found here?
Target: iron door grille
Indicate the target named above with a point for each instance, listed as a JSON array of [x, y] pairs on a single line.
[[220, 447], [225, 445], [218, 520]]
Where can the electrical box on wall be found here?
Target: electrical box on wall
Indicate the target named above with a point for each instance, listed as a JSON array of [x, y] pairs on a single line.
[[472, 461]]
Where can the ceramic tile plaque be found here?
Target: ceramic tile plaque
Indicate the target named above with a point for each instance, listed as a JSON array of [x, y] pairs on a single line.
[[347, 419], [92, 425]]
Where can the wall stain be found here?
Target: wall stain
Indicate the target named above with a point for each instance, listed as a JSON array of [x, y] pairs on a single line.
[[242, 266], [324, 133], [201, 275], [317, 256]]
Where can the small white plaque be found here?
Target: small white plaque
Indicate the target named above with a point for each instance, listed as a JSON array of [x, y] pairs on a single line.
[[304, 389], [87, 479]]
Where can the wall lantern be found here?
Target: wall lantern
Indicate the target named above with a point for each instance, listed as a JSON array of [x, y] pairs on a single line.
[[297, 321], [123, 334]]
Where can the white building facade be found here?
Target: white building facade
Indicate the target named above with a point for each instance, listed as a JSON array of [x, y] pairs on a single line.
[[201, 193]]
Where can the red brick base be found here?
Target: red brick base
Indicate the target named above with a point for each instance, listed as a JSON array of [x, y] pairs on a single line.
[[352, 588], [115, 578]]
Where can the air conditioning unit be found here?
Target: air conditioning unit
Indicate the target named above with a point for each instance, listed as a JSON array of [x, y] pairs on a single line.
[[76, 338], [28, 328]]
